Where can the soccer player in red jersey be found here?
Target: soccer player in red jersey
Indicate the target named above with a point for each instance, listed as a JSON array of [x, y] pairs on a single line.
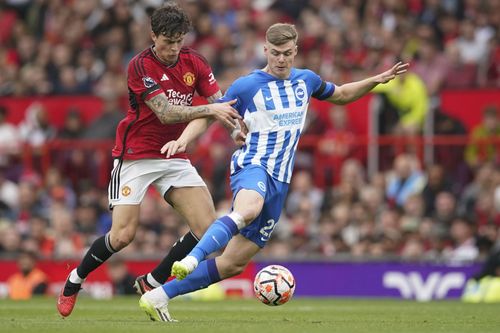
[[161, 81]]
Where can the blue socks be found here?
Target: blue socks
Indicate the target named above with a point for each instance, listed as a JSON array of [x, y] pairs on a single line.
[[204, 275], [216, 237]]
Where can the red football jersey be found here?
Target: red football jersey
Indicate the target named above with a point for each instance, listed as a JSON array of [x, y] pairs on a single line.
[[141, 134]]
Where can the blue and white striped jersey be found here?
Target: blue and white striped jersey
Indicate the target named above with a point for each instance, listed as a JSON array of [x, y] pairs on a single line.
[[274, 111]]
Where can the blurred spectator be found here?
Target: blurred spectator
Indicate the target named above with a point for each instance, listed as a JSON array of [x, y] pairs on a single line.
[[68, 242], [436, 182], [67, 83], [459, 75], [450, 157], [89, 67], [10, 239], [9, 195], [73, 127], [121, 278], [373, 200], [405, 105], [41, 237], [445, 213], [412, 213], [388, 229], [277, 248], [485, 213], [464, 248], [36, 128], [29, 281], [57, 190], [471, 46], [478, 151], [302, 227], [30, 201], [334, 147], [405, 179], [303, 191], [490, 72], [413, 249], [352, 180], [10, 143], [104, 127], [431, 66], [86, 220]]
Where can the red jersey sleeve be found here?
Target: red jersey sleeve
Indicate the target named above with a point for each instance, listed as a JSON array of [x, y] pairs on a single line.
[[142, 80], [206, 86]]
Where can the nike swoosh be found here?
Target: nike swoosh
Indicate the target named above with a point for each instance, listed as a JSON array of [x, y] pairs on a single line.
[[268, 98], [97, 259], [215, 239]]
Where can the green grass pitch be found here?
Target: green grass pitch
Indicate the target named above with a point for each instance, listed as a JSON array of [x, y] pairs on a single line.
[[300, 315]]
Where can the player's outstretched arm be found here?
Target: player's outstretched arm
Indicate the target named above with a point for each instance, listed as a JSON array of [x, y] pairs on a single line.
[[193, 130], [349, 92], [170, 114]]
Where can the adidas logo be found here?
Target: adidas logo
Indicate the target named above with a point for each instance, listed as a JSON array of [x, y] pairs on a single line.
[[164, 77]]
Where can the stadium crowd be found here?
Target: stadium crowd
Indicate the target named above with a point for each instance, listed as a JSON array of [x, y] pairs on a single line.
[[79, 47]]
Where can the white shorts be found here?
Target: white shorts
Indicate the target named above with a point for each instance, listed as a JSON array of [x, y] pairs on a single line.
[[130, 179]]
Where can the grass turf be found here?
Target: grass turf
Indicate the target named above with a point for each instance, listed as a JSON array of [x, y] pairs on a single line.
[[300, 315]]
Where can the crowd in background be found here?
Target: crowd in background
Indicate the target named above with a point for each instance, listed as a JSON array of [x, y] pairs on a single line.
[[82, 46], [68, 47]]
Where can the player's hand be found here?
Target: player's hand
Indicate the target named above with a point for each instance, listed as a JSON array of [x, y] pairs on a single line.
[[397, 69], [173, 147], [239, 134], [224, 113]]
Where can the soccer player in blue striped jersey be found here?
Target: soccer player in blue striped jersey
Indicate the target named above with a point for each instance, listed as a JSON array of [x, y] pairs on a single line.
[[273, 103]]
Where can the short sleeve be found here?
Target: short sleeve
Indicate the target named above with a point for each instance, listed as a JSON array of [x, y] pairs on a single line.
[[141, 80], [320, 89], [233, 92], [206, 85]]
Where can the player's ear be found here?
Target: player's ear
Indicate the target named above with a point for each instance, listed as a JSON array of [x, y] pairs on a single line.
[[153, 36]]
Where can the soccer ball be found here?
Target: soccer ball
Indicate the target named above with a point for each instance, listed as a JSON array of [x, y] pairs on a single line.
[[274, 285]]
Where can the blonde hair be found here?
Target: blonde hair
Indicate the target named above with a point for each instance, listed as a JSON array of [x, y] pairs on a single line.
[[281, 33]]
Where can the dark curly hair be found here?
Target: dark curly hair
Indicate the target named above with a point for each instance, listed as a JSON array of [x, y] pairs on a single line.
[[170, 20]]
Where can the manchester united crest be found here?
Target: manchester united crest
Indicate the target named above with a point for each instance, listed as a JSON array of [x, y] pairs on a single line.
[[126, 191], [189, 78]]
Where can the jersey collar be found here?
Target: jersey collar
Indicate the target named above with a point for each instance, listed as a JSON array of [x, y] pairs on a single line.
[[274, 77], [161, 61]]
